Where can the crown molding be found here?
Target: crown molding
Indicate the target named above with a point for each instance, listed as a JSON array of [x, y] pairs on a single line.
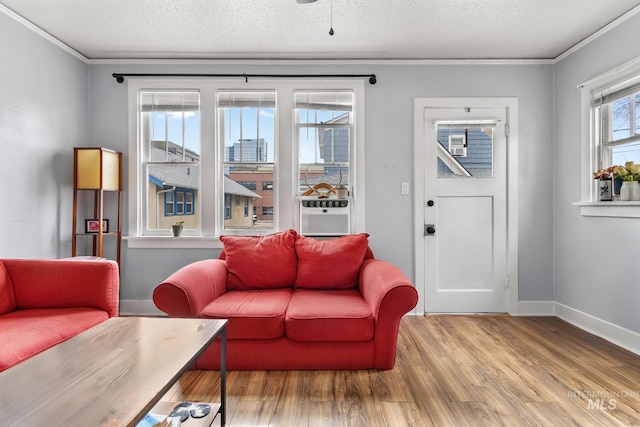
[[610, 26], [290, 61], [255, 61], [30, 25]]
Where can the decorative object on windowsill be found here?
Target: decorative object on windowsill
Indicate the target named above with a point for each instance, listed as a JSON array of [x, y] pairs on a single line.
[[605, 184], [321, 186], [342, 192], [177, 228], [629, 174]]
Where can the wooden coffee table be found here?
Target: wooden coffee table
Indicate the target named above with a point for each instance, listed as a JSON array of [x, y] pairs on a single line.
[[109, 375]]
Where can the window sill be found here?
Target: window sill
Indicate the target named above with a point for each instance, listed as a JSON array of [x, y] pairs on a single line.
[[610, 209], [167, 242]]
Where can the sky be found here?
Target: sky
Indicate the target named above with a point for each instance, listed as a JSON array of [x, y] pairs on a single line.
[[253, 126]]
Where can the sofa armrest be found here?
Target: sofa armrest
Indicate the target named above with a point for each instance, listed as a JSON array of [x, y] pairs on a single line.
[[42, 283], [187, 291], [390, 295]]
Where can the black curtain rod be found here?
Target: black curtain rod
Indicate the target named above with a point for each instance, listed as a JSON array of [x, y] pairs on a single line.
[[372, 77]]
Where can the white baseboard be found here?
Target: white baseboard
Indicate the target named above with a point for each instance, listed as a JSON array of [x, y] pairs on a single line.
[[132, 307], [618, 335], [613, 333], [535, 308]]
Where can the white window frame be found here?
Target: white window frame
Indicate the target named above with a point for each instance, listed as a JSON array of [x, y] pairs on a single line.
[[210, 210], [627, 74]]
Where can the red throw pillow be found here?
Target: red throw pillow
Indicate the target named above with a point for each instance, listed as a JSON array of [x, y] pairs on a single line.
[[330, 264], [260, 262]]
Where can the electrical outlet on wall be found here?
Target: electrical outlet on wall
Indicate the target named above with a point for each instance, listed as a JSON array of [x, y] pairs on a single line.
[[404, 188]]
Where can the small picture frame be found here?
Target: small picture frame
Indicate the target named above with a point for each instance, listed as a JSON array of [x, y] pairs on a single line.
[[91, 226]]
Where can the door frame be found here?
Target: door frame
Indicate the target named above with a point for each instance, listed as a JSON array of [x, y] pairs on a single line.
[[511, 104]]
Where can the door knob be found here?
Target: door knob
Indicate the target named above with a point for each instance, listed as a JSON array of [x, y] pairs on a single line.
[[429, 230], [430, 203]]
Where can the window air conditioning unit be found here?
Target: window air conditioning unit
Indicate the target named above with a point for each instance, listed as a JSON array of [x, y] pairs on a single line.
[[458, 145], [324, 217]]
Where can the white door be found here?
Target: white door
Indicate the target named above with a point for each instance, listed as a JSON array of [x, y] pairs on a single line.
[[465, 210]]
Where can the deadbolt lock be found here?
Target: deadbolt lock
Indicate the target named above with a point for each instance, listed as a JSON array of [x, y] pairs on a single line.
[[429, 229]]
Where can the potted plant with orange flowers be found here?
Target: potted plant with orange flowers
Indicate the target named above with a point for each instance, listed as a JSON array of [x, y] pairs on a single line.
[[605, 183]]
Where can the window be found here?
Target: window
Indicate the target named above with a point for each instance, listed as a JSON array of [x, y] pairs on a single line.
[[610, 132], [324, 122], [458, 144], [247, 127], [251, 185], [227, 206], [231, 157], [618, 115], [178, 202], [169, 133]]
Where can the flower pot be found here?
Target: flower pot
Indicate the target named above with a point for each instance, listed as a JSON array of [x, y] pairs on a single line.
[[628, 190], [605, 193], [635, 191], [177, 229]]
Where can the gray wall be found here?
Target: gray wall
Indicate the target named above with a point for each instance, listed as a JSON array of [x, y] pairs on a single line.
[[389, 155], [51, 101], [43, 114], [596, 259]]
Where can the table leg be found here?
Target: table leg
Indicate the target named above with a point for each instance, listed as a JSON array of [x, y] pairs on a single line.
[[223, 376]]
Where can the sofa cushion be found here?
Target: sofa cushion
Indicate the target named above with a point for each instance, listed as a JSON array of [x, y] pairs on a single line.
[[252, 314], [7, 295], [260, 262], [329, 315], [330, 264], [25, 333]]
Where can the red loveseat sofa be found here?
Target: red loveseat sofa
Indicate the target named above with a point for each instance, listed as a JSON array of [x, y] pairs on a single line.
[[45, 302], [294, 302]]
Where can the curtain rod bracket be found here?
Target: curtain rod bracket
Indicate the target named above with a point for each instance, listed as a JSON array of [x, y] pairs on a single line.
[[372, 77]]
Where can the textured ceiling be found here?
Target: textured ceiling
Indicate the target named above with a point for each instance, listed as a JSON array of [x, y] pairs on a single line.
[[285, 29]]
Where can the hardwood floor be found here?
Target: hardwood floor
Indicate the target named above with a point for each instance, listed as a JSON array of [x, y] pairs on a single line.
[[450, 371]]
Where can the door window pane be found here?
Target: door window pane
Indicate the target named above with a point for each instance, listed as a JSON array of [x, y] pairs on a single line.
[[465, 151]]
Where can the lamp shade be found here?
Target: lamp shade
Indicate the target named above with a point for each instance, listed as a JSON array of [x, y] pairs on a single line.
[[97, 169]]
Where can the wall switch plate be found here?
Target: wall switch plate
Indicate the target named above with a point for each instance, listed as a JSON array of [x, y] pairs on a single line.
[[405, 188]]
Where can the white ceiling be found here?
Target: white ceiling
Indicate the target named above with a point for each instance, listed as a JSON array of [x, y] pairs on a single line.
[[285, 29]]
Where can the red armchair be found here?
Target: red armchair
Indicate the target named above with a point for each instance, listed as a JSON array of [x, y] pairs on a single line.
[[45, 302]]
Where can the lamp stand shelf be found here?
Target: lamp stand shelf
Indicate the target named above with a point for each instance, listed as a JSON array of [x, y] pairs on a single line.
[[97, 171]]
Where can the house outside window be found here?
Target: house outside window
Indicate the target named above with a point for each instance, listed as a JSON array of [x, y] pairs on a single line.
[[250, 138]]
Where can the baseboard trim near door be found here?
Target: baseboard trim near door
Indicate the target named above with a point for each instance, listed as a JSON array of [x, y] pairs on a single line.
[[611, 332], [131, 307], [535, 308]]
